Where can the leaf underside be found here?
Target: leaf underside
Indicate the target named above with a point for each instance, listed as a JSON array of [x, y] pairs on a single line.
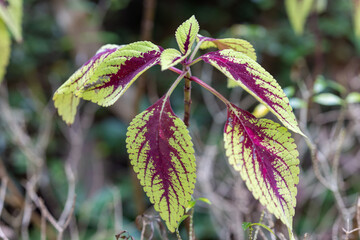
[[266, 157], [106, 76], [162, 154], [235, 44], [257, 81], [5, 44]]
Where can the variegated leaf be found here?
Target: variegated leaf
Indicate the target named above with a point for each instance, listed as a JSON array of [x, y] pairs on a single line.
[[298, 11], [113, 76], [170, 57], [266, 157], [186, 35], [162, 154], [106, 76], [257, 81], [11, 13], [5, 45], [64, 98], [239, 45]]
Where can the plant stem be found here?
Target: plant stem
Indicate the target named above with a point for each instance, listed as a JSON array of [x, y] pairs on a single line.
[[196, 49], [210, 89], [191, 225], [178, 234], [187, 97], [204, 85], [177, 81]]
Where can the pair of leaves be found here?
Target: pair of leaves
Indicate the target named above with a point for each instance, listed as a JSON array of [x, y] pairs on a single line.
[[185, 36], [106, 76]]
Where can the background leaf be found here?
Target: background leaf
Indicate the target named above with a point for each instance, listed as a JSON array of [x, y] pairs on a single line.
[[186, 34], [257, 81], [266, 157], [11, 13], [162, 155], [328, 99], [5, 44], [298, 11], [353, 97]]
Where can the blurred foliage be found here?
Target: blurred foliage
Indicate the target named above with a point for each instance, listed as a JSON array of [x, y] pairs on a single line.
[[320, 66]]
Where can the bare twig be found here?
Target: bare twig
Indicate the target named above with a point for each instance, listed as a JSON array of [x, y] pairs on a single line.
[[59, 226], [26, 218], [43, 227], [315, 161], [2, 234], [118, 211], [358, 213], [4, 182], [70, 197], [258, 227]]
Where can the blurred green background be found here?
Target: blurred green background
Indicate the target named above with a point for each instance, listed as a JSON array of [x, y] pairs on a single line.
[[59, 36]]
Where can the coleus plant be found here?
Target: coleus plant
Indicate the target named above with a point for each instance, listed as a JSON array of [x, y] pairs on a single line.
[[158, 142]]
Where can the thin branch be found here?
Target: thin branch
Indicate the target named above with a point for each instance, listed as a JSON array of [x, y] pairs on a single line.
[[358, 213], [70, 197], [26, 218], [40, 204], [351, 231], [315, 162], [258, 228], [2, 234], [4, 181], [43, 227]]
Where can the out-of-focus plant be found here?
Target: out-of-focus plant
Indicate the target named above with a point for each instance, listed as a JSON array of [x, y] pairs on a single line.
[[299, 10], [158, 142]]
